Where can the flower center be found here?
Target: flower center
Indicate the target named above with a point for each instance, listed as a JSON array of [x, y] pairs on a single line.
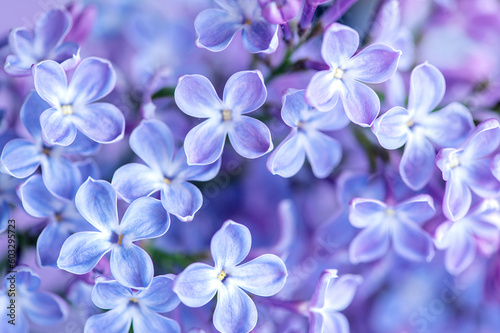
[[339, 73], [390, 212], [133, 299], [167, 181], [67, 109], [453, 162], [120, 238], [410, 123], [226, 115], [46, 151], [222, 275], [58, 217], [248, 22]]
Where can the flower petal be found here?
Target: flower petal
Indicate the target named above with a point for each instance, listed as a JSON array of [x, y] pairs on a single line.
[[457, 198], [461, 252], [215, 28], [245, 92], [323, 152], [481, 180], [235, 311], [136, 180], [182, 199], [153, 142], [250, 137], [335, 322], [365, 212], [370, 244], [204, 143], [31, 110], [151, 321], [195, 96], [96, 201], [200, 173], [294, 105], [82, 251], [116, 320], [361, 103], [60, 176], [131, 266], [50, 30], [482, 141], [110, 294], [57, 128], [196, 285], [391, 128], [260, 36], [159, 296], [417, 163], [323, 90], [287, 159], [411, 242], [427, 87], [418, 209], [230, 245], [262, 276], [51, 82], [93, 79], [145, 218], [20, 158], [339, 44], [50, 242], [341, 291], [102, 122], [45, 309], [375, 64]]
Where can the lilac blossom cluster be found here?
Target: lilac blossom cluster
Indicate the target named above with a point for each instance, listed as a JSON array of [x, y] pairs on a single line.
[[359, 190]]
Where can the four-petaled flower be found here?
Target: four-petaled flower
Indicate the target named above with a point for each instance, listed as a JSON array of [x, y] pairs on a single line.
[[235, 311], [130, 265], [374, 64], [244, 92], [137, 308]]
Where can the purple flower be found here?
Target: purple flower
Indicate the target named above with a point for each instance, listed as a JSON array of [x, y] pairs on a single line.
[[331, 297], [306, 138], [131, 266], [244, 92], [477, 231], [384, 223], [63, 219], [153, 142], [72, 105], [45, 42], [216, 27], [420, 129], [38, 307], [21, 157], [467, 168], [140, 308], [279, 11], [374, 64], [235, 311]]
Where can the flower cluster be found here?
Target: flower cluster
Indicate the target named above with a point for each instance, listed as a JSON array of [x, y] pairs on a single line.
[[362, 166]]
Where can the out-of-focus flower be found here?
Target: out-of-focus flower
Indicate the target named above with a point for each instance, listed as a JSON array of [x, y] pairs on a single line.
[[279, 11], [420, 129], [341, 83], [399, 224], [467, 168], [306, 138], [244, 92], [141, 309], [216, 27], [30, 305], [72, 105], [235, 311], [153, 142], [131, 266], [45, 42]]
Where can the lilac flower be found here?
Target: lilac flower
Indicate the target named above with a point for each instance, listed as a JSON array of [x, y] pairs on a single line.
[[375, 64], [139, 308], [384, 223], [235, 311], [420, 129], [45, 42], [61, 214], [467, 168], [130, 265], [216, 27], [154, 143], [8, 198], [38, 307], [72, 105], [477, 231], [279, 11], [306, 138], [21, 157], [331, 297], [244, 92]]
